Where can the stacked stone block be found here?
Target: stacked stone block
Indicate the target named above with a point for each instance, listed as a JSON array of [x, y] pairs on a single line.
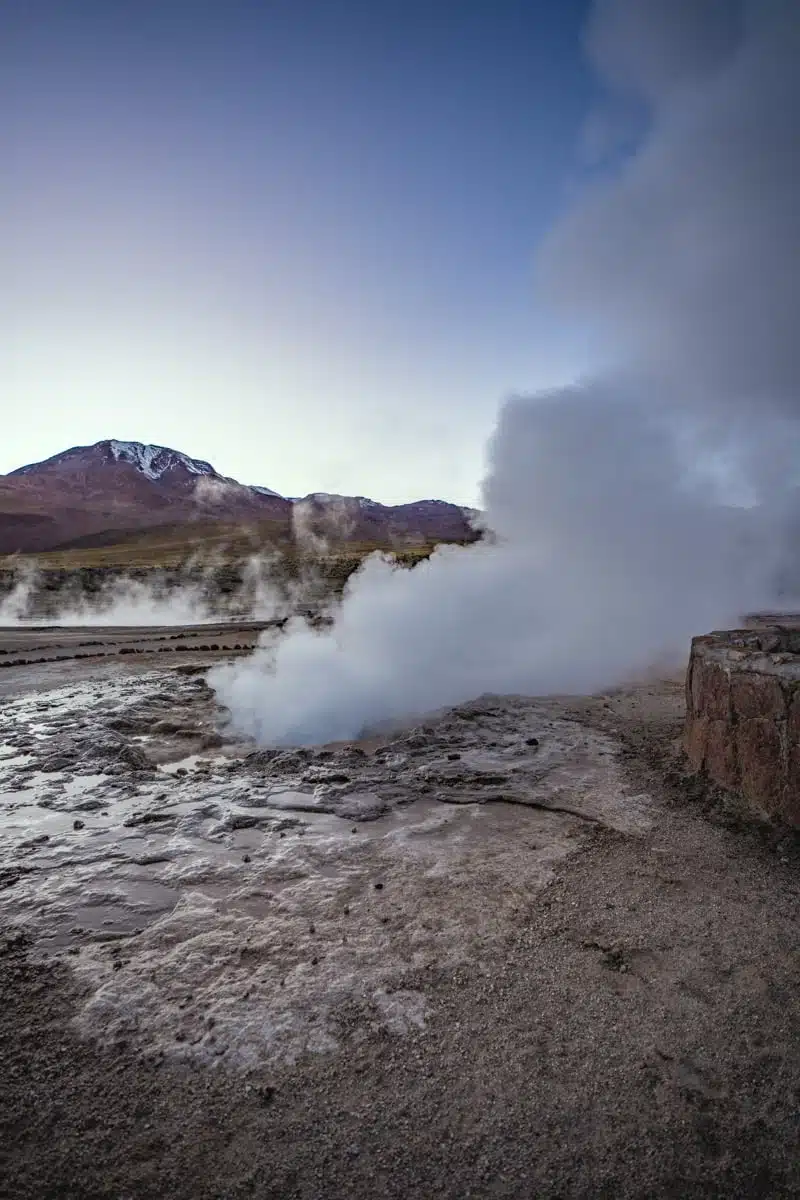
[[743, 716]]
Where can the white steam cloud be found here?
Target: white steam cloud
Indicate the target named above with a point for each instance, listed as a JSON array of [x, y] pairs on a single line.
[[612, 500], [16, 605], [122, 601], [262, 589]]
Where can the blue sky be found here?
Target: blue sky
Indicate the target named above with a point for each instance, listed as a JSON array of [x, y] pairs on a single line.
[[296, 238]]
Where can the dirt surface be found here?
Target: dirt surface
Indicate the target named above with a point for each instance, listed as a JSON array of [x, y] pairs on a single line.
[[36, 644], [544, 964]]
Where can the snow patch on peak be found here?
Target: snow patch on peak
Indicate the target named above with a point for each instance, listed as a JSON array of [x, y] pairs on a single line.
[[153, 461]]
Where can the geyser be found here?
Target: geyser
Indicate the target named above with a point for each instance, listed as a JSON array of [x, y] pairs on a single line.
[[614, 501]]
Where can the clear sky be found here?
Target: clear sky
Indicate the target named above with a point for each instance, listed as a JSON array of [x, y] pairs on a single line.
[[293, 237]]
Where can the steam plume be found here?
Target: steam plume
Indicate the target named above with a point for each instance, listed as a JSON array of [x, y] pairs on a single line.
[[15, 605], [617, 502]]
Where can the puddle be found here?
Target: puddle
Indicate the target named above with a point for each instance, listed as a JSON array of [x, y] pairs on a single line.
[[28, 821], [192, 762], [109, 921]]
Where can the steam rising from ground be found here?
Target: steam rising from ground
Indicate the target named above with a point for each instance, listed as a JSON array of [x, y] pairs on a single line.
[[15, 607], [124, 601], [572, 594], [616, 540], [191, 597], [264, 586]]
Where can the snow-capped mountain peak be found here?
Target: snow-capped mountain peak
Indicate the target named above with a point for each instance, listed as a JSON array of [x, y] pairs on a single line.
[[121, 486], [153, 461], [150, 460]]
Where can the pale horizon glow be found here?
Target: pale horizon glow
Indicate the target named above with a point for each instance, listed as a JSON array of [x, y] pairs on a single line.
[[295, 240]]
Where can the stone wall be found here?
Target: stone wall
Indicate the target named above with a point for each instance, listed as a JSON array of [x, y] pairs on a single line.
[[743, 716]]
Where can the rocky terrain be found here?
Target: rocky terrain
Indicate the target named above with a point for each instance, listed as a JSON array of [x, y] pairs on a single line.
[[112, 491], [515, 949]]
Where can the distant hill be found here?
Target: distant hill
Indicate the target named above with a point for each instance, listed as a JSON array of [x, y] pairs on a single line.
[[93, 495]]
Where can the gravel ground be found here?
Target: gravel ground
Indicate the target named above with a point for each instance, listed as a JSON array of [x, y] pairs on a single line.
[[633, 1032]]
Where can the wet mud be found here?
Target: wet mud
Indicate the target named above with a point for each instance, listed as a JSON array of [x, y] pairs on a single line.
[[220, 900]]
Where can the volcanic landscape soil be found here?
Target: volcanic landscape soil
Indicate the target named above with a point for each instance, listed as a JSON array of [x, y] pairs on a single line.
[[511, 951]]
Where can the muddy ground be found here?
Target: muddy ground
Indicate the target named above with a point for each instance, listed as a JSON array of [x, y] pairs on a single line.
[[509, 951], [34, 645]]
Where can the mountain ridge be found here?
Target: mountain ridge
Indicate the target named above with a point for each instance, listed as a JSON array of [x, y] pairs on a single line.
[[85, 492]]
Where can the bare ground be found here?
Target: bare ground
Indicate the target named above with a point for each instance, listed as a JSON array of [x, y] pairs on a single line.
[[630, 1028]]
